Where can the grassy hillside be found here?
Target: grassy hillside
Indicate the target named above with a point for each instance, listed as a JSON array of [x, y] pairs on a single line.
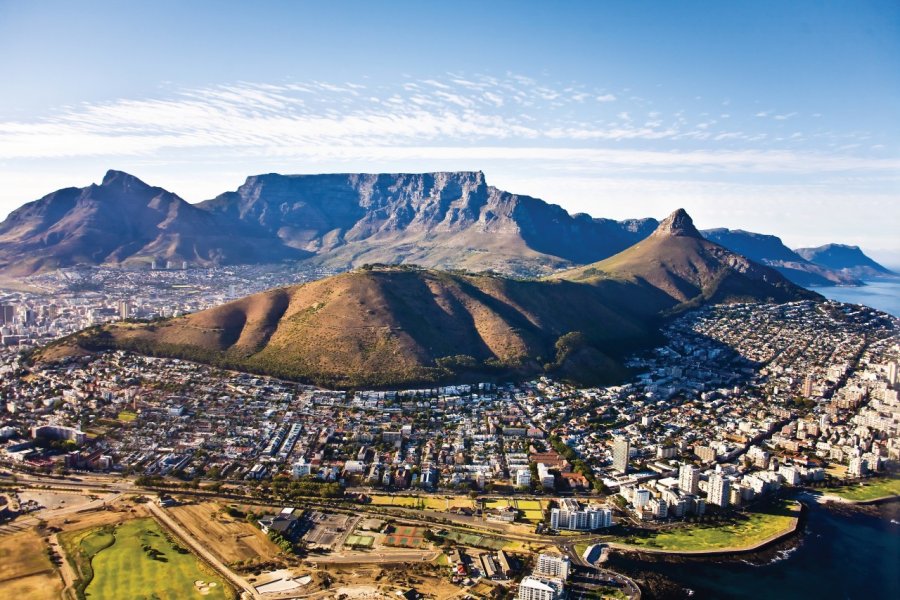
[[401, 326], [405, 326], [688, 270]]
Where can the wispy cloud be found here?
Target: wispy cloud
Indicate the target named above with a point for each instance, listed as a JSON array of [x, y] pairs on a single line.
[[478, 117]]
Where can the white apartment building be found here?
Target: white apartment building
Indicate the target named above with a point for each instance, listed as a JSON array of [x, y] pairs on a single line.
[[540, 588], [719, 490], [552, 565], [689, 479]]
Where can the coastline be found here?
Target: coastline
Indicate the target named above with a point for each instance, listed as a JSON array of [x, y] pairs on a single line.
[[668, 575], [795, 527]]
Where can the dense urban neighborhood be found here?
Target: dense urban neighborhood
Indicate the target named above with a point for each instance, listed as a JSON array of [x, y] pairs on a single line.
[[533, 482]]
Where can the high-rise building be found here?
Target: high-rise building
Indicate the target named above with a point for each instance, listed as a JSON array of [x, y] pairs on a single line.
[[570, 515], [7, 314], [689, 479], [523, 478], [621, 454], [808, 383], [540, 588], [719, 490], [892, 373], [858, 467], [124, 309], [552, 565], [641, 498]]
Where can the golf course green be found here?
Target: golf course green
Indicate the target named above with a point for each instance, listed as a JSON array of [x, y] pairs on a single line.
[[137, 559]]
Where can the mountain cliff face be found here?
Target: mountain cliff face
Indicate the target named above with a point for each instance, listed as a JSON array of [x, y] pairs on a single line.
[[846, 259], [447, 220], [397, 326], [687, 270], [124, 220], [769, 250]]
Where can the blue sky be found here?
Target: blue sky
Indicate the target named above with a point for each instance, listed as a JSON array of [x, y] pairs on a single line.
[[781, 117]]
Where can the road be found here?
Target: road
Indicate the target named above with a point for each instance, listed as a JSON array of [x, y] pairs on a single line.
[[375, 557], [589, 576], [119, 486]]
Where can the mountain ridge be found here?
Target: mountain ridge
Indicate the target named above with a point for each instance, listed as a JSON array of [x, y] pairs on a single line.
[[845, 259], [387, 326], [445, 220], [771, 251]]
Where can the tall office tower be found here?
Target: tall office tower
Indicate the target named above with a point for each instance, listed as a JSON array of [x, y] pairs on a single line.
[[124, 309], [892, 373], [7, 314], [621, 451], [689, 479]]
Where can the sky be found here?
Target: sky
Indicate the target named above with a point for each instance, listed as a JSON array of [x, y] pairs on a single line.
[[775, 117]]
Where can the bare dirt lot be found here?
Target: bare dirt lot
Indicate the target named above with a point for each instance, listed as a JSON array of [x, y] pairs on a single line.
[[25, 569], [231, 539], [374, 581], [52, 500]]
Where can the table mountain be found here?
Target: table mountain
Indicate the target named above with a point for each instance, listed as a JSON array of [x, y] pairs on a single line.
[[446, 220]]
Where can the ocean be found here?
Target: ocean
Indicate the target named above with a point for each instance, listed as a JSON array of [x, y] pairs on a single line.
[[844, 554], [882, 294]]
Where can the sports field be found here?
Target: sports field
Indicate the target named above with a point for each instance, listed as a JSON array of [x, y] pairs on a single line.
[[439, 503], [136, 559], [476, 540], [529, 510], [744, 532], [406, 536], [359, 541]]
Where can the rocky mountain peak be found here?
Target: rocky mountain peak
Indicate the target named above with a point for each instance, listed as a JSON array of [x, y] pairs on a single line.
[[679, 223], [122, 180]]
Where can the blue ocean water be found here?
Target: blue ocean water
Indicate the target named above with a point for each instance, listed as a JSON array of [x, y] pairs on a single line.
[[841, 556], [882, 294]]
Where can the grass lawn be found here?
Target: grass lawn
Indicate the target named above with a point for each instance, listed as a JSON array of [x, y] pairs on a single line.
[[872, 489], [528, 505], [476, 540], [438, 503], [127, 416], [534, 516], [359, 541], [743, 532], [136, 559]]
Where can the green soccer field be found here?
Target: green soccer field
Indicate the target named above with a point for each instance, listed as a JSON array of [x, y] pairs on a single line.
[[137, 560]]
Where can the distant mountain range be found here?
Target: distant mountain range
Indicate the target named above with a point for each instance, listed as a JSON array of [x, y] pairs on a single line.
[[770, 250], [402, 326], [845, 259], [450, 220]]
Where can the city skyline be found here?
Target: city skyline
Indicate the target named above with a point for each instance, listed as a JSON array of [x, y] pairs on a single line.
[[777, 125]]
